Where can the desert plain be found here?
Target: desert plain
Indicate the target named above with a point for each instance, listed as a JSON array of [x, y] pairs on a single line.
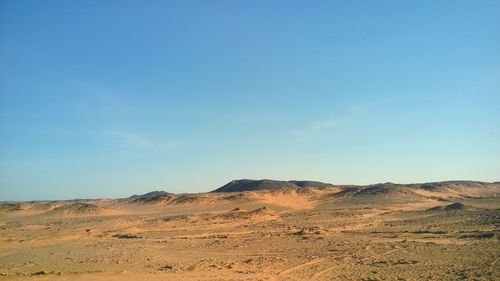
[[260, 230]]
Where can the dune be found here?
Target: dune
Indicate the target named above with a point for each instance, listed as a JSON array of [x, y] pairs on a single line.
[[238, 197], [236, 215], [79, 209], [189, 199], [290, 231]]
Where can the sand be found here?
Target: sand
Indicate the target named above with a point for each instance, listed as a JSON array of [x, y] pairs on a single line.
[[292, 234]]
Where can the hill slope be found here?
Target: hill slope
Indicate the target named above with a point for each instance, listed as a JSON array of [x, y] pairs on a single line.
[[78, 208], [252, 185]]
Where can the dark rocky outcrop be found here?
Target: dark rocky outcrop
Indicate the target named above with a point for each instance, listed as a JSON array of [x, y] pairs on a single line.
[[253, 185]]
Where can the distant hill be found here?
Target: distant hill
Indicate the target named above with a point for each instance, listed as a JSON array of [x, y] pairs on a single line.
[[10, 207], [150, 195], [447, 184], [253, 185], [388, 192], [381, 188]]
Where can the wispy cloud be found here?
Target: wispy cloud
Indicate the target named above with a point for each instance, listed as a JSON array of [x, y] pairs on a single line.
[[328, 123], [135, 140]]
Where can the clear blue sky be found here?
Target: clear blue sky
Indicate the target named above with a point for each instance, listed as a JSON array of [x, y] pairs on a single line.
[[112, 98]]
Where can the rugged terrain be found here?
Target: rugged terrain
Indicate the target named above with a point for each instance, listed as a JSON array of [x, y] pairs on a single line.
[[260, 230]]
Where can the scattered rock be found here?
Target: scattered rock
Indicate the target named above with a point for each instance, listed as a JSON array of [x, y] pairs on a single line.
[[166, 267], [478, 235], [369, 279], [309, 231], [452, 207], [126, 236]]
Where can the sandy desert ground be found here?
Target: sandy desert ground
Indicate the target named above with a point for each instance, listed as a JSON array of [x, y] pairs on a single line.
[[440, 231]]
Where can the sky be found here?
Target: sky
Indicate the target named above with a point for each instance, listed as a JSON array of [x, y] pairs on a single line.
[[114, 98]]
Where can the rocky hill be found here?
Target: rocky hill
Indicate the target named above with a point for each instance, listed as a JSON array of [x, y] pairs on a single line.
[[253, 185]]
